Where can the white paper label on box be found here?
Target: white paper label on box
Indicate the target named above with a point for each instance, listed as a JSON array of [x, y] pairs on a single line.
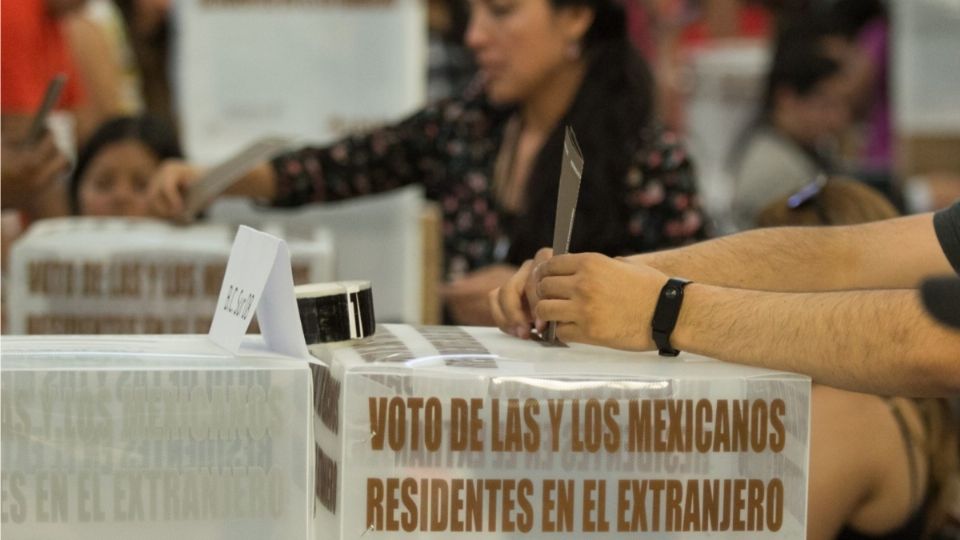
[[258, 280]]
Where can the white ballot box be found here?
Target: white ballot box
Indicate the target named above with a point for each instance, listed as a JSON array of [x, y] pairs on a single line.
[[153, 437], [130, 276], [454, 431]]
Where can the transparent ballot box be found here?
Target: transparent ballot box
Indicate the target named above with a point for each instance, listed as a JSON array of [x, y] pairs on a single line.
[[153, 437], [448, 431]]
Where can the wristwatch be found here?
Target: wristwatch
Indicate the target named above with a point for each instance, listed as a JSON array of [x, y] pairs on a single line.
[[666, 314]]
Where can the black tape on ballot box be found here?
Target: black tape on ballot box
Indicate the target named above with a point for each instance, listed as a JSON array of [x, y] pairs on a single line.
[[335, 311]]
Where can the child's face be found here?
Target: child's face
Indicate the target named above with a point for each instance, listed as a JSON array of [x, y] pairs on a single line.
[[116, 181]]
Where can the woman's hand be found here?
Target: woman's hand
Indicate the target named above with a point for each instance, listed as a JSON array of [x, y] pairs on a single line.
[[168, 188]]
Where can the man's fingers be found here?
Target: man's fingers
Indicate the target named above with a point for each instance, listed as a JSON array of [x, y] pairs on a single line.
[[569, 332], [499, 318], [542, 255], [556, 287], [513, 305], [562, 265], [556, 310]]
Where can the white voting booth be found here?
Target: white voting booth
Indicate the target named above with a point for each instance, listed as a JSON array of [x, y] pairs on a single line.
[[926, 66], [378, 238], [314, 70], [128, 276], [726, 86]]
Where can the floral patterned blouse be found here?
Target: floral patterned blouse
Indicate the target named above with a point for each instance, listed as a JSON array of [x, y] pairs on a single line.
[[451, 148]]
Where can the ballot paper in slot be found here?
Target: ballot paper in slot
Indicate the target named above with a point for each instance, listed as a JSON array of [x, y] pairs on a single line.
[[458, 431], [126, 276], [571, 170], [153, 438]]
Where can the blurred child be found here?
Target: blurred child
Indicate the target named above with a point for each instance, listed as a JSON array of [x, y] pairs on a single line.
[[114, 168]]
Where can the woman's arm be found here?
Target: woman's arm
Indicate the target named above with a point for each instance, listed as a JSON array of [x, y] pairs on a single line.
[[383, 159]]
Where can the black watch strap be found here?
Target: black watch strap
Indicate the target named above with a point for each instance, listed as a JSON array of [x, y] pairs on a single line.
[[666, 314]]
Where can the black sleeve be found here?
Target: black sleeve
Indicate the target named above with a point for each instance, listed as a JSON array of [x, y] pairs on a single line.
[[947, 224], [941, 297], [372, 162]]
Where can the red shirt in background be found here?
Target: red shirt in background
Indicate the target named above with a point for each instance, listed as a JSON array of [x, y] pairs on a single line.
[[32, 50], [753, 22]]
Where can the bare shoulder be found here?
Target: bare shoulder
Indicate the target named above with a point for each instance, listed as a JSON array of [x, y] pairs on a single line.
[[858, 461], [838, 412]]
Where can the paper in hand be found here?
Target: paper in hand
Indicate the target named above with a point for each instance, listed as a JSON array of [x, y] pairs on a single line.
[[571, 169], [221, 177]]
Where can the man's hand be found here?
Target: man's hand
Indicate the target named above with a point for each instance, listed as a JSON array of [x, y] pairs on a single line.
[[513, 303], [599, 300]]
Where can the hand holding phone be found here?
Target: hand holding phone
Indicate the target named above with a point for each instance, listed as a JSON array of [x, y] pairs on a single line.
[[50, 99]]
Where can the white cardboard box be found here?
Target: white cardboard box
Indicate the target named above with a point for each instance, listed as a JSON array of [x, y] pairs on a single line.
[[450, 431]]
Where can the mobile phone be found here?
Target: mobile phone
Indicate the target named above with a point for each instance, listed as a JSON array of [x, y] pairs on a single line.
[[50, 99]]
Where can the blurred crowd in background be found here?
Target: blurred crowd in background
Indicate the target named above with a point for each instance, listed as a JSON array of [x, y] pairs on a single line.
[[824, 105], [816, 138]]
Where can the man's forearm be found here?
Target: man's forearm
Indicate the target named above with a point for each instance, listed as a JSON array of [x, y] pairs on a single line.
[[870, 341], [888, 254], [757, 259]]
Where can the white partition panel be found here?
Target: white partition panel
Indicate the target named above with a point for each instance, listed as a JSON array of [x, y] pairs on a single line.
[[725, 94], [926, 66], [377, 238], [313, 69]]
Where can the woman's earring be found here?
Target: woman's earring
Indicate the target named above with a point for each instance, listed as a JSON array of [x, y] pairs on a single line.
[[573, 51]]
